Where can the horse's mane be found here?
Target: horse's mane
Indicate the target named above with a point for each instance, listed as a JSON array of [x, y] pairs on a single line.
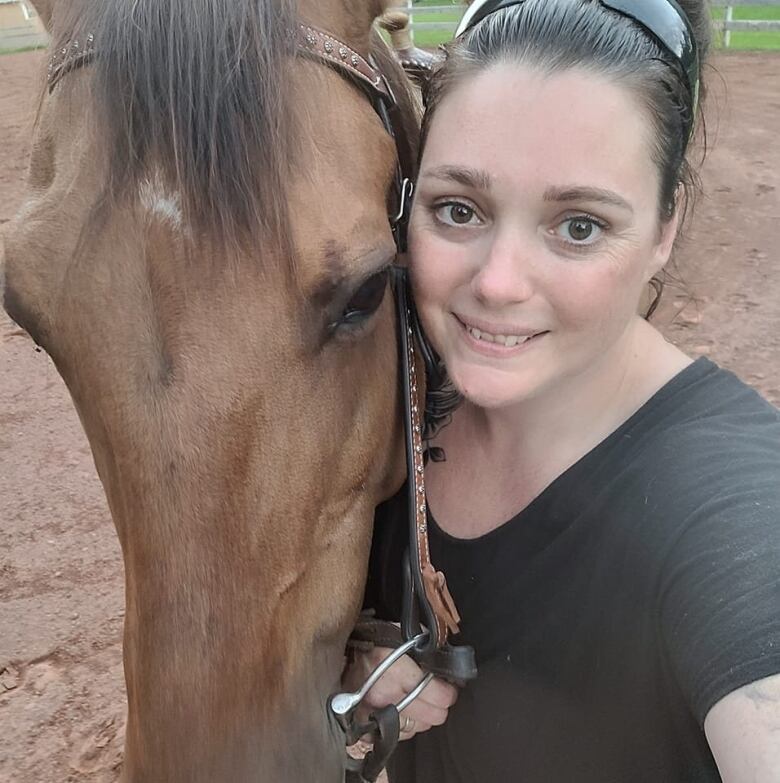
[[192, 92]]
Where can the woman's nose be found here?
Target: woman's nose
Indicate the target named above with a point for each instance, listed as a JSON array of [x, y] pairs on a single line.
[[505, 276]]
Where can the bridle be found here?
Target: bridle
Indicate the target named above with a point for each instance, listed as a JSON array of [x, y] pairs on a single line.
[[426, 595], [429, 614]]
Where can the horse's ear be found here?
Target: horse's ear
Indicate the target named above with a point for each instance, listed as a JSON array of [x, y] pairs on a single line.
[[44, 8], [381, 7]]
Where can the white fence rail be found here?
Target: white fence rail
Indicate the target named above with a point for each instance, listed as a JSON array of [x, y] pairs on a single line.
[[725, 26]]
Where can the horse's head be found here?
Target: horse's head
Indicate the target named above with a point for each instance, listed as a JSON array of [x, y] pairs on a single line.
[[203, 251]]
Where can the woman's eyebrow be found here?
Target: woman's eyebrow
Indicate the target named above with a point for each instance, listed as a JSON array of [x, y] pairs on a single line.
[[470, 178], [582, 193]]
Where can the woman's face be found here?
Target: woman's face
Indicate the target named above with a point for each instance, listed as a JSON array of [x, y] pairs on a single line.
[[535, 229]]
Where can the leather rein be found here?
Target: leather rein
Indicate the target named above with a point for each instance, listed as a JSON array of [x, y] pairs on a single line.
[[429, 615]]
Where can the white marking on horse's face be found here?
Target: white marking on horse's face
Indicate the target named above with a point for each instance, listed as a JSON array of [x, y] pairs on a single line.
[[161, 205]]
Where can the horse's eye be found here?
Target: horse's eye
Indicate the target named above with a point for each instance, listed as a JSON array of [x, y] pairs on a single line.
[[365, 301]]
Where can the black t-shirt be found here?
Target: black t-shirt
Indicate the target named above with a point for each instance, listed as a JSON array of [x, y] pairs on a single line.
[[611, 613]]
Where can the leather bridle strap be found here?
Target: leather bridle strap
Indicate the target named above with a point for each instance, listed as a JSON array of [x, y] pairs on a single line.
[[426, 590], [323, 46], [440, 614], [427, 585], [75, 54]]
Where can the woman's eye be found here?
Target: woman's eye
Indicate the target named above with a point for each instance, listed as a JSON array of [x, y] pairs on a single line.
[[455, 213], [365, 301], [580, 230]]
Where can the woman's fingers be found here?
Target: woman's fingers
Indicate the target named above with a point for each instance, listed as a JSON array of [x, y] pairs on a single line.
[[410, 726], [429, 709], [402, 678], [440, 693]]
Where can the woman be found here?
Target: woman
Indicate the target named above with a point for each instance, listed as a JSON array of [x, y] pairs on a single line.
[[608, 513]]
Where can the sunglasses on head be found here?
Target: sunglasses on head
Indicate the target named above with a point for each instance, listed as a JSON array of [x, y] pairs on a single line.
[[664, 20]]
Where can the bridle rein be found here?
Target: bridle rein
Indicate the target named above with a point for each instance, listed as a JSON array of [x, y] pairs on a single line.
[[429, 615]]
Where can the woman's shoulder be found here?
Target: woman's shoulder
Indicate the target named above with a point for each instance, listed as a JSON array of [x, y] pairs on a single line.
[[704, 435], [704, 391], [706, 408]]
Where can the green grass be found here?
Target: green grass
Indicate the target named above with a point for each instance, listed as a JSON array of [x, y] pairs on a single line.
[[758, 40], [743, 41], [750, 12], [430, 39]]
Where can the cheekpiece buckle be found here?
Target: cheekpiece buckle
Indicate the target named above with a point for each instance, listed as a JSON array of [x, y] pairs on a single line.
[[407, 190], [400, 221]]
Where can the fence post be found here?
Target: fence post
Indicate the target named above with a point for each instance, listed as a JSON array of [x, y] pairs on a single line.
[[411, 20], [726, 31]]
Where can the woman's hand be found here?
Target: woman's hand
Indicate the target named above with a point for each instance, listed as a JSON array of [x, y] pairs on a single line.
[[430, 708]]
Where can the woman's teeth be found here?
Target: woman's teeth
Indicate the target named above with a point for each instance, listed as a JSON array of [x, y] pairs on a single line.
[[509, 340]]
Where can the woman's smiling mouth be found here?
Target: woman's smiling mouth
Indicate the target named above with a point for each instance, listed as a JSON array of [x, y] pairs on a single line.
[[495, 339]]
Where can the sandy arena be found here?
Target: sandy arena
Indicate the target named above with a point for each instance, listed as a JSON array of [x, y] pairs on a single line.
[[61, 603]]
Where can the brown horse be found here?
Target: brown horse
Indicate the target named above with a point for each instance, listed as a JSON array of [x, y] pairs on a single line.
[[203, 252]]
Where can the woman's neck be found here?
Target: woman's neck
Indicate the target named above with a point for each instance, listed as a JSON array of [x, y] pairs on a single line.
[[584, 408], [507, 456]]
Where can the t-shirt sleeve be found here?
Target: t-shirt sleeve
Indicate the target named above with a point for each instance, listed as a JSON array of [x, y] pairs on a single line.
[[720, 582]]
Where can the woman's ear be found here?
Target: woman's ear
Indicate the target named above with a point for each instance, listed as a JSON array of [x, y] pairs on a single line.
[[667, 235]]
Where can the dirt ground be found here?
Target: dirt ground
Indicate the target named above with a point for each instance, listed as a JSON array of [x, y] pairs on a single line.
[[61, 605]]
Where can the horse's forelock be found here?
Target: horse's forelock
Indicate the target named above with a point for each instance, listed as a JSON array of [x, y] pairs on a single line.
[[196, 95], [193, 92]]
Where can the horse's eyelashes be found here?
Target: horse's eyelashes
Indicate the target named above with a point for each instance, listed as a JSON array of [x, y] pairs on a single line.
[[367, 298], [364, 302]]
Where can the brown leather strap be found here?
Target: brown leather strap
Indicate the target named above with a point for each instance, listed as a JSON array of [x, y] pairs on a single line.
[[455, 664], [417, 64], [324, 46], [309, 39], [434, 583], [73, 55]]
